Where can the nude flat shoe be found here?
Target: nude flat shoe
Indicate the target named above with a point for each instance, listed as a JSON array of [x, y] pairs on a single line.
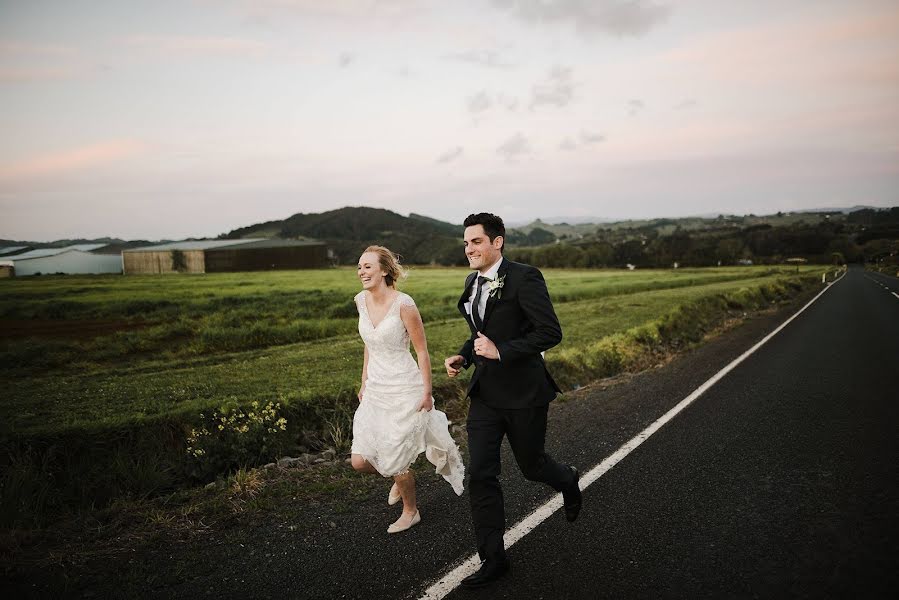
[[396, 528], [394, 496]]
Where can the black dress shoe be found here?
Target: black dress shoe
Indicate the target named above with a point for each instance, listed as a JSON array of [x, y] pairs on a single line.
[[490, 571], [572, 497]]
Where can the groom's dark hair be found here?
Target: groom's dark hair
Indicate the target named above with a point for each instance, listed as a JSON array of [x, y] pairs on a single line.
[[493, 225]]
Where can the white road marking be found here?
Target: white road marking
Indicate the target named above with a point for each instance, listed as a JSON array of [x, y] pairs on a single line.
[[895, 294], [453, 578]]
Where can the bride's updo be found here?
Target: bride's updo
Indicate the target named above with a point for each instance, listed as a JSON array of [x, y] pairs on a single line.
[[390, 263]]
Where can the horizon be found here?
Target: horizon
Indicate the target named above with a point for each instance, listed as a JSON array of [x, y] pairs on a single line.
[[511, 225], [170, 120]]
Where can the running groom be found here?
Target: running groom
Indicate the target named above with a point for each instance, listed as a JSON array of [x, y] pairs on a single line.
[[512, 321]]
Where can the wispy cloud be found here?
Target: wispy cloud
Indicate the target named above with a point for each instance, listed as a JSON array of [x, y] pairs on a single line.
[[557, 90], [568, 145], [92, 155], [686, 104], [515, 146], [484, 58], [592, 138], [345, 59], [479, 103], [630, 17], [634, 107], [509, 102], [450, 155]]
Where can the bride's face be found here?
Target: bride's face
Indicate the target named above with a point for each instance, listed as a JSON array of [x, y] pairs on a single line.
[[369, 271]]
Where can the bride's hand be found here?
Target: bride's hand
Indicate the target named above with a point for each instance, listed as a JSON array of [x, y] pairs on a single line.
[[426, 404]]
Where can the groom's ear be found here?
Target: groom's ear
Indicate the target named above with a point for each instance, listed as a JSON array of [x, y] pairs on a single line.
[[498, 242]]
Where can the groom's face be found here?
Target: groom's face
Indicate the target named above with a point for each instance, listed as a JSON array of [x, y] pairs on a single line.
[[481, 252]]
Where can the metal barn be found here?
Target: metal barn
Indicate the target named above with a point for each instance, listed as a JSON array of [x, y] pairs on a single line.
[[223, 256], [71, 260]]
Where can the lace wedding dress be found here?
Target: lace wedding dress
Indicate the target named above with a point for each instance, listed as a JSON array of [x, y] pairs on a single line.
[[388, 429]]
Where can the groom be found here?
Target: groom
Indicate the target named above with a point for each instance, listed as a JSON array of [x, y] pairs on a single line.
[[512, 322]]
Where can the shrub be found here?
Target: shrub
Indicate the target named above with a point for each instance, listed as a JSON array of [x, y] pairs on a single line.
[[234, 436]]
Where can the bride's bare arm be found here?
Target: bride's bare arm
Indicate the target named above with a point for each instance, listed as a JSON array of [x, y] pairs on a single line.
[[412, 320]]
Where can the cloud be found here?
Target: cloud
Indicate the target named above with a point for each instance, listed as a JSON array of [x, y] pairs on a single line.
[[479, 103], [557, 90], [450, 155], [509, 102], [515, 146], [615, 17], [634, 107], [484, 58], [686, 104], [88, 156], [592, 138], [345, 59], [568, 145]]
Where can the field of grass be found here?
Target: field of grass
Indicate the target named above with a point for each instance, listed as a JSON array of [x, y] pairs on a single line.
[[204, 340], [103, 394]]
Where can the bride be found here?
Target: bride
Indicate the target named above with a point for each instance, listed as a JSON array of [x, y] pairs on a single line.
[[396, 420]]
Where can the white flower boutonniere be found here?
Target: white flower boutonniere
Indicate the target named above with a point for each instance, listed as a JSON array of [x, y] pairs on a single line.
[[495, 287]]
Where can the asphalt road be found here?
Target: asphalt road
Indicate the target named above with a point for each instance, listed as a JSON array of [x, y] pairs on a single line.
[[781, 481]]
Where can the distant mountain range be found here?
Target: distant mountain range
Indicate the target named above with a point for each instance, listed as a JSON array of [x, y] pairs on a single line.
[[422, 240]]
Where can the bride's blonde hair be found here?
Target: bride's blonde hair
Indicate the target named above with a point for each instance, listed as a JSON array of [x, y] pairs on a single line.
[[390, 263]]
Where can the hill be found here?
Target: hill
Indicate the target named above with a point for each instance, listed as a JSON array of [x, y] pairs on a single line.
[[348, 230]]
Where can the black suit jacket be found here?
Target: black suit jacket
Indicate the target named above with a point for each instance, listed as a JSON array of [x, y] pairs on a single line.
[[520, 320]]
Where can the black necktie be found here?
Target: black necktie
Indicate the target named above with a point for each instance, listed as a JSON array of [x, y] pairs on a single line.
[[476, 307]]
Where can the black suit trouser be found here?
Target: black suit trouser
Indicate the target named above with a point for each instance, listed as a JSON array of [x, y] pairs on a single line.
[[526, 430]]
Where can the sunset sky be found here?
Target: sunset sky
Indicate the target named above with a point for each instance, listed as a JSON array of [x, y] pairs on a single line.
[[168, 119]]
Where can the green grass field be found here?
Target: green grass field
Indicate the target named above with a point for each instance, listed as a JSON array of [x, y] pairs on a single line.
[[191, 343]]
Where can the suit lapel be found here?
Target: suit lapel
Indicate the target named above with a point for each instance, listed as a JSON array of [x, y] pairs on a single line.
[[492, 300], [465, 296]]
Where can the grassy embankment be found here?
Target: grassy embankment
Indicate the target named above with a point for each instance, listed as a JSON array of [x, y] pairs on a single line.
[[89, 418]]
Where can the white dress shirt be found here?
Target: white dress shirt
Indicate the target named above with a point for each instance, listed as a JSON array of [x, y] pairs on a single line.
[[482, 305]]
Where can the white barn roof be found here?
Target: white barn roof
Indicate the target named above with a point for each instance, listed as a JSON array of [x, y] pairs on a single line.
[[41, 252]]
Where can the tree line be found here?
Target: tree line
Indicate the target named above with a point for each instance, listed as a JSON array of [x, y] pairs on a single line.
[[865, 235]]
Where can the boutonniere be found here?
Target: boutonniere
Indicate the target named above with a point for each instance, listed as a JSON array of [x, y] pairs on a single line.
[[495, 287]]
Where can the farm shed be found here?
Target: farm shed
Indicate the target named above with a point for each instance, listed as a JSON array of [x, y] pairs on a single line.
[[76, 259], [7, 268], [223, 256]]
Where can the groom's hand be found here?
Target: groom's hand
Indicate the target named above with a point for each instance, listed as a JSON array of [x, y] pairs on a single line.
[[484, 346], [453, 365]]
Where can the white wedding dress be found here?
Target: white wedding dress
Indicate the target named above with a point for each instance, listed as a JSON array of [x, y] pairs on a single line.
[[388, 429]]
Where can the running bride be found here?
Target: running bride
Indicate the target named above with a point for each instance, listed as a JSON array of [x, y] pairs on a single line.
[[396, 419]]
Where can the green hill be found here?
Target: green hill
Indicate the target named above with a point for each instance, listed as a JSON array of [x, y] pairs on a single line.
[[349, 230]]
